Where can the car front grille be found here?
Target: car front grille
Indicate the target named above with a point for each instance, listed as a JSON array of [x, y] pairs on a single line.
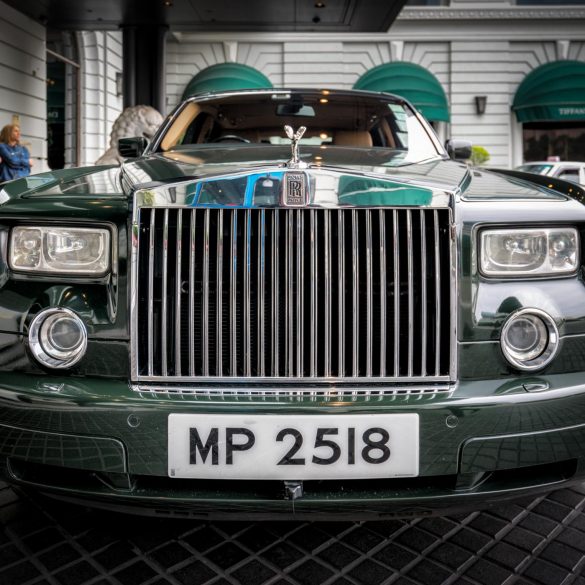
[[292, 294]]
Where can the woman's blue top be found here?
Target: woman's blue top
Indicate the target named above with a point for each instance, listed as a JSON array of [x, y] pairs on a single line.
[[15, 162]]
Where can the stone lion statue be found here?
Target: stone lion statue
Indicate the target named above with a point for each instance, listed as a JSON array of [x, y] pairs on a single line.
[[133, 121]]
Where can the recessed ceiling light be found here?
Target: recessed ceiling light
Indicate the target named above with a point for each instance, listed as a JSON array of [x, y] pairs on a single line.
[[319, 4]]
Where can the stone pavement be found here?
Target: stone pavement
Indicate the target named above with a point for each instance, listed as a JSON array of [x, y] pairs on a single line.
[[536, 541]]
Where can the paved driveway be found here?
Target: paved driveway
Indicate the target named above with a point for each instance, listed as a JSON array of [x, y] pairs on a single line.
[[537, 541]]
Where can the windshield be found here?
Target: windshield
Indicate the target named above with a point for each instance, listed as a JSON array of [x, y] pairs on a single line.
[[333, 120]]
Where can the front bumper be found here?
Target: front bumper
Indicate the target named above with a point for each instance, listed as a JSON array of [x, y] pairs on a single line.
[[102, 442]]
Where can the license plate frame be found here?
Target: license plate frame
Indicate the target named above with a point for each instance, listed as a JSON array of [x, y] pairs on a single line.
[[219, 448]]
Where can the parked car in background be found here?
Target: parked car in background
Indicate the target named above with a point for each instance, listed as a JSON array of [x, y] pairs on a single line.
[[566, 170], [291, 303]]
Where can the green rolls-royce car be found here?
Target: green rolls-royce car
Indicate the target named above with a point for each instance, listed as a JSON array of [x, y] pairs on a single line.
[[291, 303]]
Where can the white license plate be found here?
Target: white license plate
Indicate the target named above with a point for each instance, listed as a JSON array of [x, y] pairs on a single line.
[[230, 446]]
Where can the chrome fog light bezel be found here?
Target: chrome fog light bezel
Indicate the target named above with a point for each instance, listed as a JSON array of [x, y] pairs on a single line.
[[550, 347], [45, 351]]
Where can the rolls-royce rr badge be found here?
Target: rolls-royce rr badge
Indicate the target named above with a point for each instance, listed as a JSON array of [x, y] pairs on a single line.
[[294, 186]]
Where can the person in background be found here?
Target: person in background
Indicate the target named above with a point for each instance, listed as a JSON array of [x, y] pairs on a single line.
[[14, 158]]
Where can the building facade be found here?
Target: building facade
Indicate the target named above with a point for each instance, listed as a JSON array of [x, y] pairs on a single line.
[[475, 49], [65, 89]]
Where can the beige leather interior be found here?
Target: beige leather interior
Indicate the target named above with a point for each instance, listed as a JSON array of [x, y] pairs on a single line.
[[180, 125], [358, 138]]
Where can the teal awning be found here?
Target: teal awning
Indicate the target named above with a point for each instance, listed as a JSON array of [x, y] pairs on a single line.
[[554, 92], [412, 82], [226, 76]]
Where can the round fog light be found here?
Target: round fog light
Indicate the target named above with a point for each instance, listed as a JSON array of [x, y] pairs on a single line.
[[57, 338], [529, 339]]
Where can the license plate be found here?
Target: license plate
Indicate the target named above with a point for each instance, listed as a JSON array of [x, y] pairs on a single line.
[[296, 447]]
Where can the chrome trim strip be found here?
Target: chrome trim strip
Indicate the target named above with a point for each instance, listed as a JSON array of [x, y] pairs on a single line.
[[219, 296], [337, 391], [178, 284], [295, 380], [163, 327], [409, 255], [205, 305], [383, 293], [151, 293]]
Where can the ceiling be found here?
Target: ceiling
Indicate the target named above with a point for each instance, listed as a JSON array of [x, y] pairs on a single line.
[[216, 15]]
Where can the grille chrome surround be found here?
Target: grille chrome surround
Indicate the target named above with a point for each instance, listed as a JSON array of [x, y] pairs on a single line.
[[336, 395], [222, 322]]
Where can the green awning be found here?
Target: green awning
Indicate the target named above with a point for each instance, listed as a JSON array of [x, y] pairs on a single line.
[[226, 76], [552, 92], [412, 82]]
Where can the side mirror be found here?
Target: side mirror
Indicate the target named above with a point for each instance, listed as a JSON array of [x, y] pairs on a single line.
[[458, 149], [132, 147]]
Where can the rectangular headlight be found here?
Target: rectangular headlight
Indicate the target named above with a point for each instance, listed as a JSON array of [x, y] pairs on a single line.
[[78, 251], [529, 251]]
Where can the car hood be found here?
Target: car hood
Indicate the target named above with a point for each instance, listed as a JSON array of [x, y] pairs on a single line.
[[436, 176]]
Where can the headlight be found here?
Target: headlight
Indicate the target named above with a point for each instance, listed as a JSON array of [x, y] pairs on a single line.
[[79, 251], [529, 252]]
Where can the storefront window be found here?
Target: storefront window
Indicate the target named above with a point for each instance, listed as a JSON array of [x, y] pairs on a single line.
[[565, 140]]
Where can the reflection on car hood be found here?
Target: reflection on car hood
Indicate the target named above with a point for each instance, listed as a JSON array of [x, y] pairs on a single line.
[[212, 161], [439, 174]]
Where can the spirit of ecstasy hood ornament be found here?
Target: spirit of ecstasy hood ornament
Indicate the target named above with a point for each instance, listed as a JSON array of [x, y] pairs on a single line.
[[295, 162]]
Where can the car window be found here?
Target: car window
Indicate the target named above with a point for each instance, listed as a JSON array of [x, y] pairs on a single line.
[[569, 175], [332, 120]]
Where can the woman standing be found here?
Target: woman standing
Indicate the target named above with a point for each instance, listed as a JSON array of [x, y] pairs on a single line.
[[14, 158]]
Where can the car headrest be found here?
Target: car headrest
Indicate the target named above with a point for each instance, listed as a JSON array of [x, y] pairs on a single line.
[[360, 138]]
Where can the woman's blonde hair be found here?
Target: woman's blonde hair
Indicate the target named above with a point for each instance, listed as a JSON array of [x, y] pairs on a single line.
[[6, 132]]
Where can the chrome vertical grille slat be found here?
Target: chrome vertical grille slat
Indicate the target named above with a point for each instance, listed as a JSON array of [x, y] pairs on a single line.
[[396, 293], [219, 296], [437, 292], [247, 349], [355, 293], [300, 216], [205, 312], [313, 285], [409, 255], [164, 311], [178, 284], [369, 294], [383, 294], [150, 301], [262, 295], [423, 269], [233, 295], [293, 294]]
